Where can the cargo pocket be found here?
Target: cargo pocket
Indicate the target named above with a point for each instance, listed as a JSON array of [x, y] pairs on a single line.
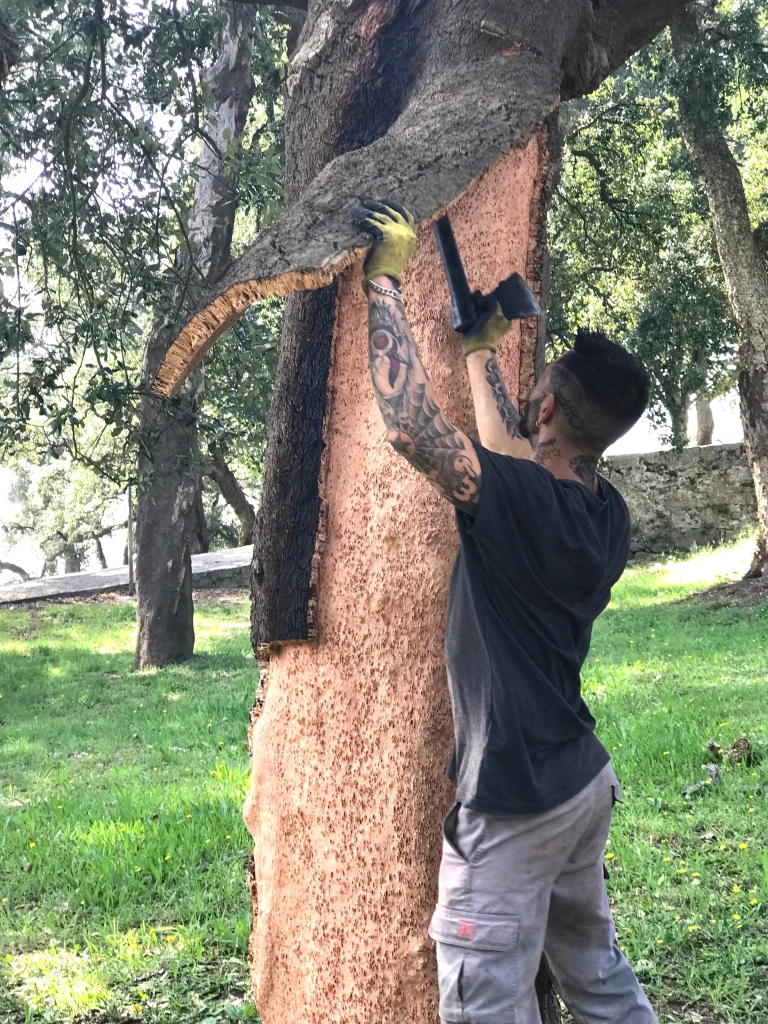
[[450, 821], [477, 966]]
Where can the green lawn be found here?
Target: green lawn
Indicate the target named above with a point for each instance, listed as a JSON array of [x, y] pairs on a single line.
[[122, 873]]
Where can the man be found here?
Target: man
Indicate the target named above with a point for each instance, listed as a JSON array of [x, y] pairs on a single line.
[[543, 540]]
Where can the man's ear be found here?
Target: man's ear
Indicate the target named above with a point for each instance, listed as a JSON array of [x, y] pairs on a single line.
[[547, 408]]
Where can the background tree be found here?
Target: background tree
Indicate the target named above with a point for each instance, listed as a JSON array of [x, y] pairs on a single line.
[[95, 226], [721, 51], [632, 245], [67, 510]]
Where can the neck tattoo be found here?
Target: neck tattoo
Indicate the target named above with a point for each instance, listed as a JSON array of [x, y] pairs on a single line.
[[585, 468]]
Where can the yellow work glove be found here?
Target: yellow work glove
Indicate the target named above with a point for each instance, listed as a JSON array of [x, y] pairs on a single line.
[[392, 228], [490, 326]]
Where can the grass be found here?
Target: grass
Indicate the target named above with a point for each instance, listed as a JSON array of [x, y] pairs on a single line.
[[689, 876], [122, 849], [122, 873]]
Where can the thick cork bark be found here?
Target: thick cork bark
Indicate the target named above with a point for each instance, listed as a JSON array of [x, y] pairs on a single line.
[[350, 748]]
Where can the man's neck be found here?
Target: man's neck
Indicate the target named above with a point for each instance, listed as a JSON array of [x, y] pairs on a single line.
[[566, 462]]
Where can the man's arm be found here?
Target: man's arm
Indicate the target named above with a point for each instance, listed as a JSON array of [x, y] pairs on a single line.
[[498, 421], [415, 424]]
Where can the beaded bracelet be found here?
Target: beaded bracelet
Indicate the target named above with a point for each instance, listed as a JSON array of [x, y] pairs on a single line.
[[393, 293]]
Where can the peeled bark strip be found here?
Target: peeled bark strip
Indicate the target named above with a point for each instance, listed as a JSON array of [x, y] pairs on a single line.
[[457, 85], [744, 267], [286, 525], [168, 513]]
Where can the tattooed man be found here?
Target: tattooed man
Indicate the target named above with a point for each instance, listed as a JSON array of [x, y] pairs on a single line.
[[543, 540]]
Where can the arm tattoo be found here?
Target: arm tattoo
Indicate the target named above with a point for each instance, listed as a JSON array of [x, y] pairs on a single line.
[[510, 417], [415, 425], [585, 468]]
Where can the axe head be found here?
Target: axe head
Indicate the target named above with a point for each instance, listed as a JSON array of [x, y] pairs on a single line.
[[516, 299]]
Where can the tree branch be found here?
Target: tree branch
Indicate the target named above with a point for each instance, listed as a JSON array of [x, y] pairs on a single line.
[[233, 494], [11, 567]]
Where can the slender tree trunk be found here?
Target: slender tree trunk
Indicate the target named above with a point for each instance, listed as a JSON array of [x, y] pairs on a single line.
[[234, 495], [9, 47], [100, 553], [168, 519], [72, 562], [705, 421], [744, 267], [679, 416]]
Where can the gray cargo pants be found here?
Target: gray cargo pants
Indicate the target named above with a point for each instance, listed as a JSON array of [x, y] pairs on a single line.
[[512, 886]]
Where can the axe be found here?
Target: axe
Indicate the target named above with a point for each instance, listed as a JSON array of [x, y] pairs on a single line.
[[516, 299]]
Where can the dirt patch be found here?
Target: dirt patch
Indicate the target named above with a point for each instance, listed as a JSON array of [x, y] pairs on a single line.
[[746, 593]]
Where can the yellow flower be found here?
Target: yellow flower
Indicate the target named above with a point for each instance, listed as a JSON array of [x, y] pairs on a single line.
[[682, 871], [610, 856], [689, 815], [622, 948], [665, 753], [751, 810], [659, 942], [167, 856], [677, 917], [736, 917], [666, 860], [4, 899], [713, 920], [735, 888], [695, 874], [32, 844], [189, 815], [722, 847], [742, 846], [692, 927], [753, 901]]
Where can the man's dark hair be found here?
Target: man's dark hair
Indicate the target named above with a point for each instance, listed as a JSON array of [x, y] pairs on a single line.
[[601, 390]]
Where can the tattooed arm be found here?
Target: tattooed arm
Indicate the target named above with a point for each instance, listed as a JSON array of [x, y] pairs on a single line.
[[498, 421], [415, 425]]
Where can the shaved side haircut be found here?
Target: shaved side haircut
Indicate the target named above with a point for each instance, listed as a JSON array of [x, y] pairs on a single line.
[[601, 390]]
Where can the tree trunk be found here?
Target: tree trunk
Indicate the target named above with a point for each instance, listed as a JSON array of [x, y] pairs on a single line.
[[71, 554], [100, 553], [9, 47], [679, 416], [705, 421], [167, 518], [745, 271], [432, 103], [234, 495]]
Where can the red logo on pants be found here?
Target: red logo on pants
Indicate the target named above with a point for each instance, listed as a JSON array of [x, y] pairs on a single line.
[[465, 929]]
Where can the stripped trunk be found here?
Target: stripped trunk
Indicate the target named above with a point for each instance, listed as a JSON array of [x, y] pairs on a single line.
[[434, 103], [168, 523], [745, 271]]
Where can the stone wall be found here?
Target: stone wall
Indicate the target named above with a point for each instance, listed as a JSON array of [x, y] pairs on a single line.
[[678, 499]]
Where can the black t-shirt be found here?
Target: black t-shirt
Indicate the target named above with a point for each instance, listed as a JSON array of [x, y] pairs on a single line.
[[534, 570]]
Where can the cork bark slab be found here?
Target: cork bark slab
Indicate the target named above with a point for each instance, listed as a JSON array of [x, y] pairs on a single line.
[[348, 786]]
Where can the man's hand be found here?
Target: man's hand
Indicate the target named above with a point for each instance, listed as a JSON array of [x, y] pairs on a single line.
[[392, 228], [490, 326]]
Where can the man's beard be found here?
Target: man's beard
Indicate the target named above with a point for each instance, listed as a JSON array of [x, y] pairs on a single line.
[[529, 427]]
